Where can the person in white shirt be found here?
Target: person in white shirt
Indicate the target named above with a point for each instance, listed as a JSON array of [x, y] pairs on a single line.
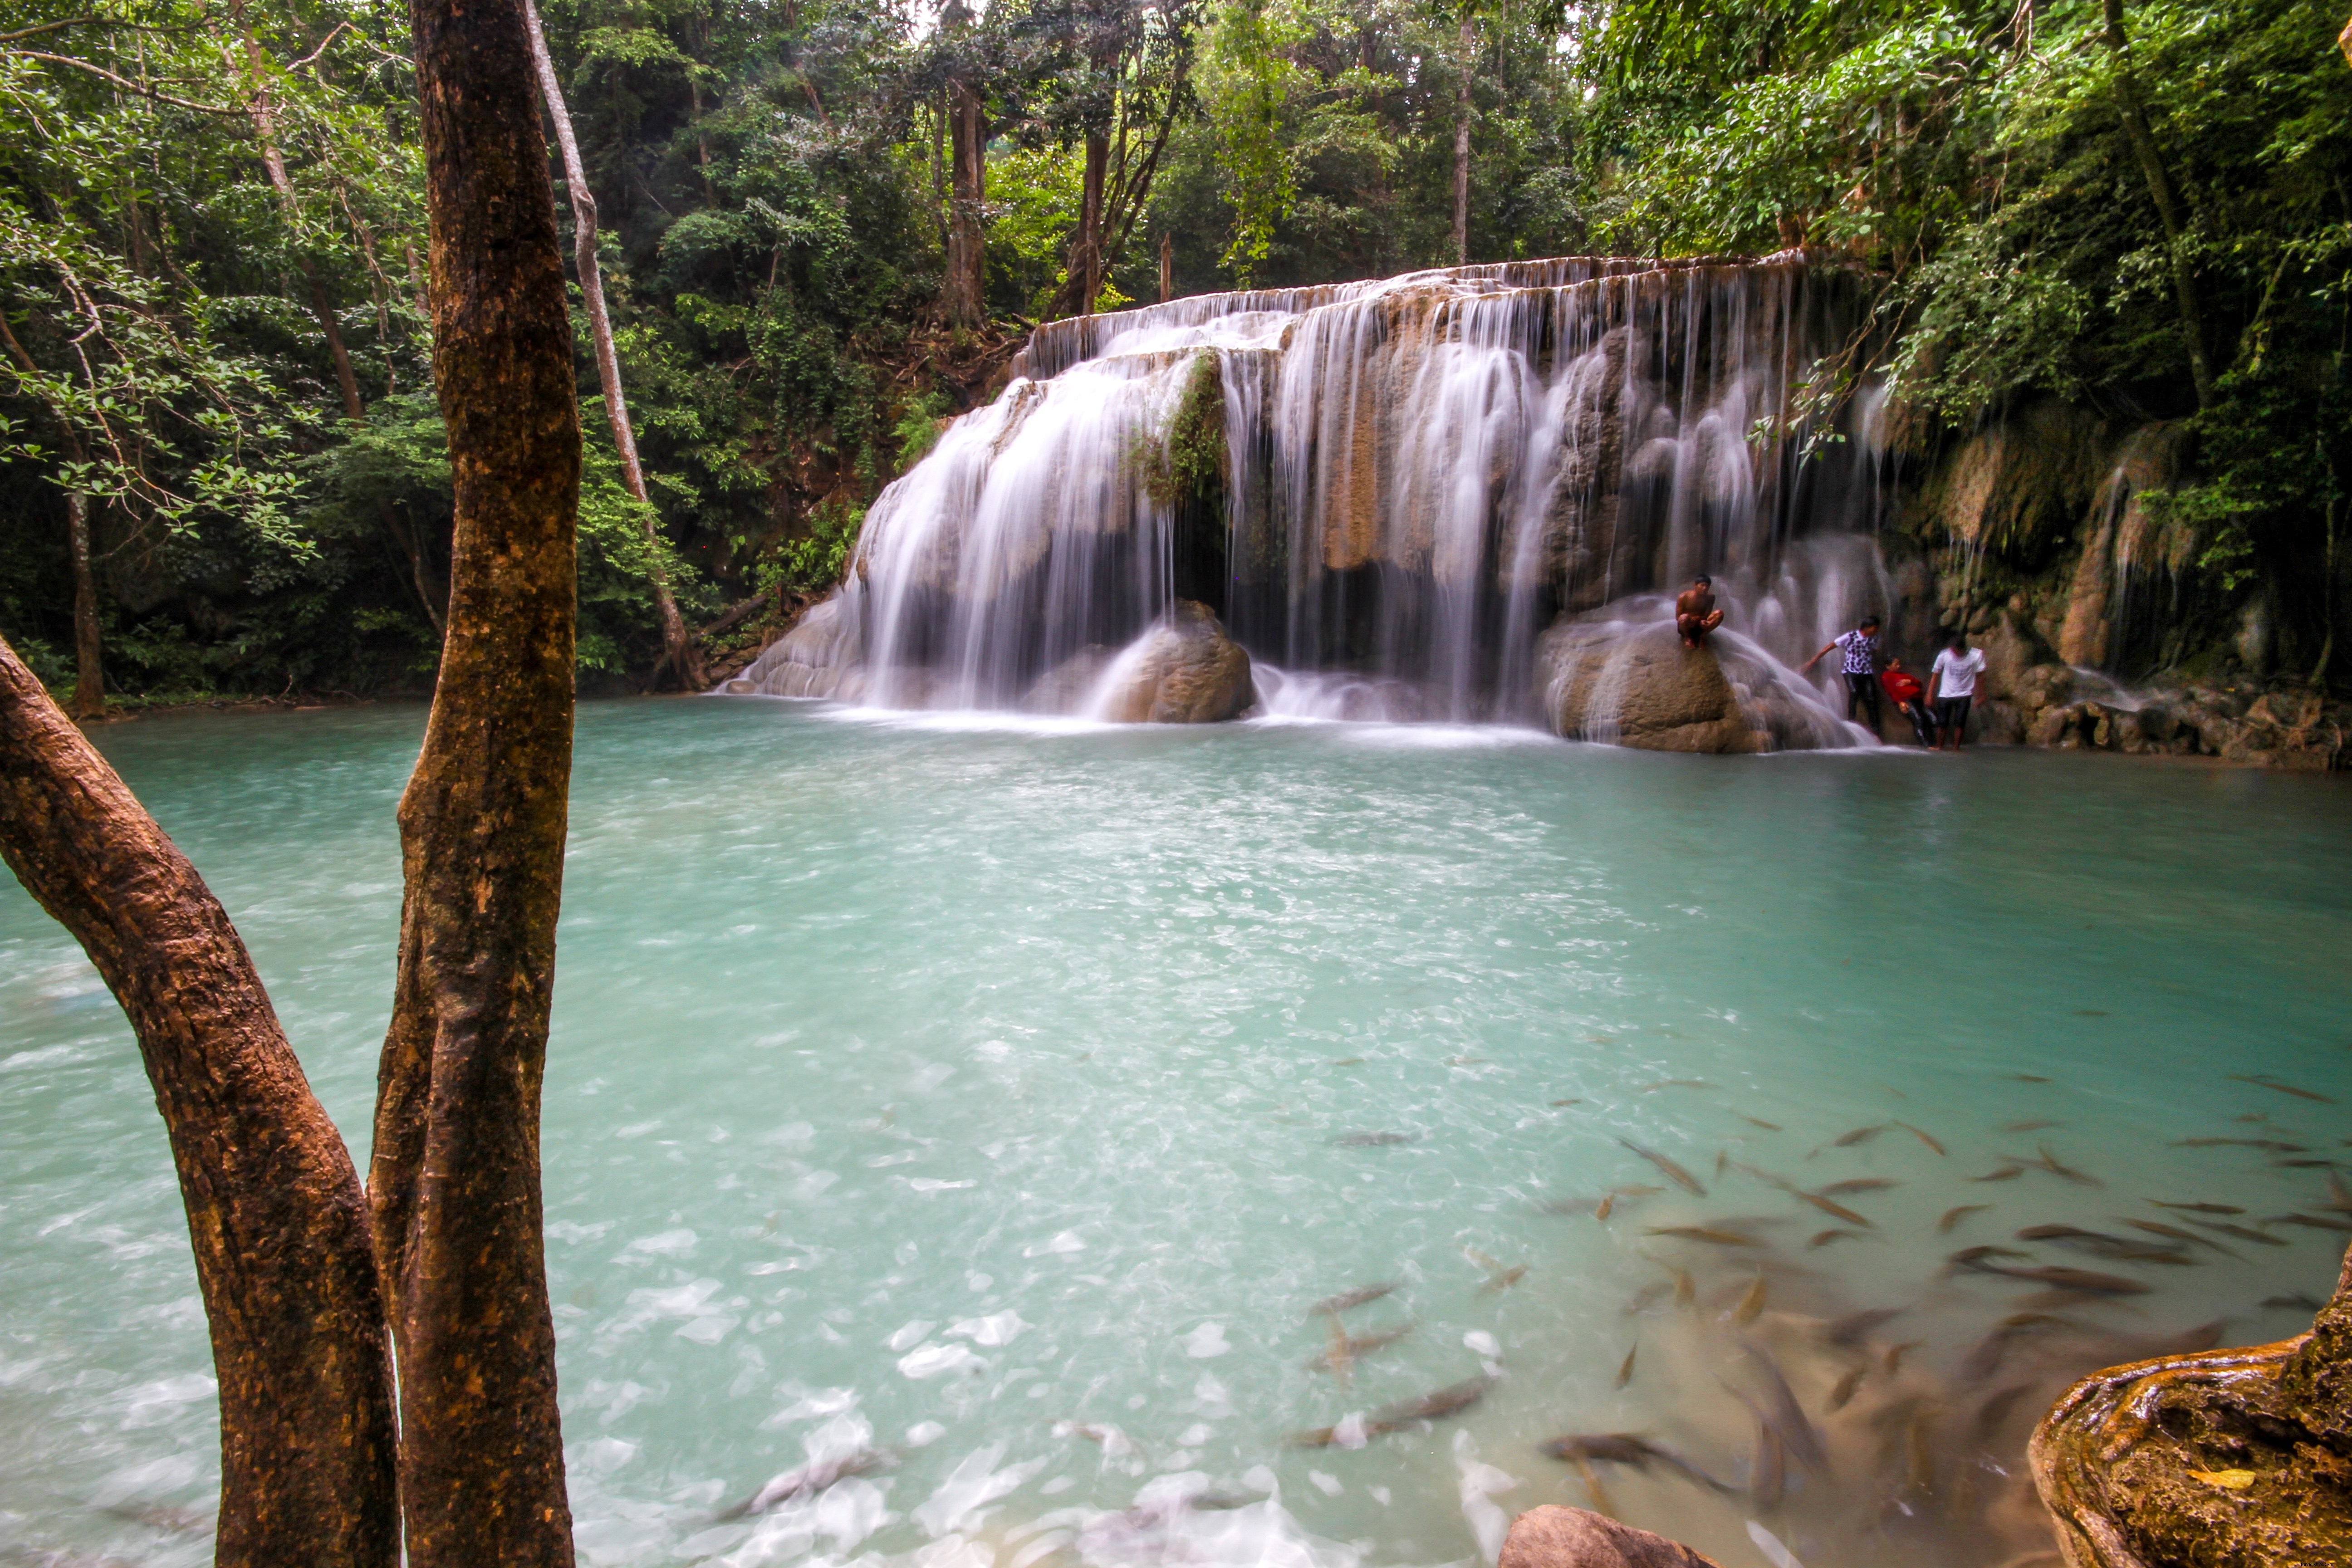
[[1951, 687]]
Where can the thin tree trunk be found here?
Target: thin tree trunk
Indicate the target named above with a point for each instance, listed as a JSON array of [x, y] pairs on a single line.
[[967, 254], [1167, 267], [265, 132], [90, 678], [454, 1184], [1084, 283], [1462, 113], [276, 1216], [677, 648], [2167, 207]]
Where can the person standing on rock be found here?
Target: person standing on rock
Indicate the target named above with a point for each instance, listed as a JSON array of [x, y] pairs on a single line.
[[1860, 647], [1951, 687], [1694, 612]]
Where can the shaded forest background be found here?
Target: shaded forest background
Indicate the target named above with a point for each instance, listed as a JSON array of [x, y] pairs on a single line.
[[826, 225]]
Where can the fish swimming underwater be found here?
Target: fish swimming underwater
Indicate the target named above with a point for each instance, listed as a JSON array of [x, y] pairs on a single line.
[[1673, 1172], [814, 1477]]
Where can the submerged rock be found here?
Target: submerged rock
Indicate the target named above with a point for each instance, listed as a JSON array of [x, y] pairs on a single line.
[[1184, 670], [1636, 685], [1556, 1537], [2240, 1457]]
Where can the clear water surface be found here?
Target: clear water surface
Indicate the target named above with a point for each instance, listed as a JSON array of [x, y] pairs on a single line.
[[1002, 1097]]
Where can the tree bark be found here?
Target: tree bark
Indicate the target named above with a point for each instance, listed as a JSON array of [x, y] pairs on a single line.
[[90, 675], [276, 1216], [967, 180], [1462, 113], [265, 130], [454, 1182], [1084, 285], [677, 648], [2167, 207], [1167, 267]]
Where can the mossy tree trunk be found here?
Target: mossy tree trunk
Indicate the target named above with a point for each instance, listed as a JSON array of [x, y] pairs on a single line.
[[303, 1273], [276, 1216], [454, 1181]]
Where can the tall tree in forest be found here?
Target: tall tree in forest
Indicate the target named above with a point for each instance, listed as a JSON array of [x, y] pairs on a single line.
[[2167, 200], [303, 1273], [265, 134], [677, 647], [967, 113], [454, 1178]]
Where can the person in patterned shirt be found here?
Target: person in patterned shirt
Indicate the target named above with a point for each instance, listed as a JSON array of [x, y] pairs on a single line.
[[1860, 647]]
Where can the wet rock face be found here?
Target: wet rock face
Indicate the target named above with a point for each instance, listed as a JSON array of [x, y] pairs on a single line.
[[1636, 685], [1554, 1537], [1188, 671], [1642, 689], [2226, 1457], [818, 657]]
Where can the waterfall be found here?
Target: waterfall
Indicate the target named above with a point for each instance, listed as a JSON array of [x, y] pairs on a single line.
[[1407, 481]]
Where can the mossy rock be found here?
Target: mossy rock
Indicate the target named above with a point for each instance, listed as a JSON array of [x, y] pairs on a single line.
[[2236, 1457]]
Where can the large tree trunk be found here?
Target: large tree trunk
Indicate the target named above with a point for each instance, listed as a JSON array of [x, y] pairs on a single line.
[[454, 1184], [968, 181], [2168, 206], [275, 1211], [677, 648], [1462, 113]]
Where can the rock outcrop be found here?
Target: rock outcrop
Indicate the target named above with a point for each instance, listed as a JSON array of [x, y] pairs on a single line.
[[2238, 1456], [1636, 685], [1556, 1537], [1184, 670], [818, 657]]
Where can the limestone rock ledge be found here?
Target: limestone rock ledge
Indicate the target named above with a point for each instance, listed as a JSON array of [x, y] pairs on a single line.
[[2226, 1457], [1556, 1537]]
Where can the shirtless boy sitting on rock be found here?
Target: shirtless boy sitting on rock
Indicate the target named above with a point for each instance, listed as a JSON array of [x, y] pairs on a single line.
[[1695, 611]]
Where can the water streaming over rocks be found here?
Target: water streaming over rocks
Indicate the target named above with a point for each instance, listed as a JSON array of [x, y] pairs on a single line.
[[1388, 491]]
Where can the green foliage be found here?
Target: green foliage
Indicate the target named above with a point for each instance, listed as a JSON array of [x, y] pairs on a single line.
[[1245, 81], [922, 422], [813, 564]]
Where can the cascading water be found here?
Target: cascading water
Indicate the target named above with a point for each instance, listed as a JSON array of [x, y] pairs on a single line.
[[1387, 492]]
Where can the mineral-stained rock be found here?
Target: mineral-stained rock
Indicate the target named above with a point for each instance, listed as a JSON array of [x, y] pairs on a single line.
[[1555, 1537], [818, 657], [1641, 688], [2228, 1457], [1636, 685], [1184, 670]]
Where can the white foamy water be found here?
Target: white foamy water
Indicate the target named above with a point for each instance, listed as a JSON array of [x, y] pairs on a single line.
[[994, 1098]]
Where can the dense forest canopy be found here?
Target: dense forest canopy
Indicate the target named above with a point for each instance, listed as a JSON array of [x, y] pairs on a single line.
[[824, 225]]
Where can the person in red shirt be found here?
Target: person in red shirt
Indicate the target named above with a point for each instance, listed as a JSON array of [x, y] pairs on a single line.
[[1910, 700]]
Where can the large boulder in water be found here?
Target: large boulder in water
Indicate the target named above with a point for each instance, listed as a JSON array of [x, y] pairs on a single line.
[[1640, 687], [1184, 670], [1632, 683]]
